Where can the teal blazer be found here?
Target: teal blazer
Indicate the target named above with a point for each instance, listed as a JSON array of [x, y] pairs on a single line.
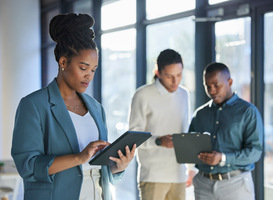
[[43, 129]]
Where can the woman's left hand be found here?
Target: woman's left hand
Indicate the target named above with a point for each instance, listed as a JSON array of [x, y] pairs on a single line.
[[123, 161]]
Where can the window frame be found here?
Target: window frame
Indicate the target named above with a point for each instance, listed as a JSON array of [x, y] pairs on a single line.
[[204, 47]]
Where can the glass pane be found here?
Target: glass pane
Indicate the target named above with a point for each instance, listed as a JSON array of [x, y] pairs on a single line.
[[83, 6], [118, 87], [178, 35], [154, 8], [233, 49], [216, 1], [268, 105], [119, 13]]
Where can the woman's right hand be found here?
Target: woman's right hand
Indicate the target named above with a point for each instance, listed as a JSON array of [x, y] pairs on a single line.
[[64, 162], [91, 149]]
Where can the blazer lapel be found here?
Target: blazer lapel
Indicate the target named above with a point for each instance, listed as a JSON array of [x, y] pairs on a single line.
[[61, 114]]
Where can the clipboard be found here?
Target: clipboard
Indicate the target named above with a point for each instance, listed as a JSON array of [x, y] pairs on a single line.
[[187, 146], [128, 138]]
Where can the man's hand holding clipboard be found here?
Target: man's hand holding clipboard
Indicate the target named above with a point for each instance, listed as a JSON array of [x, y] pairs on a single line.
[[192, 148]]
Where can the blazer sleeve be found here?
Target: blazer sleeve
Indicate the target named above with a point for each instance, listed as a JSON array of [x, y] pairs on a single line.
[[28, 149]]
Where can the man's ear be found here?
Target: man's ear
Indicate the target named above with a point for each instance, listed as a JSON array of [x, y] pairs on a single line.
[[157, 73], [230, 81]]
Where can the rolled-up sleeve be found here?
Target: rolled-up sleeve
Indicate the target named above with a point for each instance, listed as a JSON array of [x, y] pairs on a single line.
[[28, 149]]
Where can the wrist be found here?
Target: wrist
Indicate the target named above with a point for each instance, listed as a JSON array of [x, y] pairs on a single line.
[[114, 169], [78, 159]]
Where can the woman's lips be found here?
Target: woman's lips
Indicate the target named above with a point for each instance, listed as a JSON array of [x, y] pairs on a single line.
[[85, 84]]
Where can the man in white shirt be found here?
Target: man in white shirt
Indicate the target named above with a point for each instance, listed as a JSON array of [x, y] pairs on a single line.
[[162, 108]]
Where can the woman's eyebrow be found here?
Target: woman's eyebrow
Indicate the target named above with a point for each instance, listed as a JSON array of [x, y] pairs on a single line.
[[84, 63]]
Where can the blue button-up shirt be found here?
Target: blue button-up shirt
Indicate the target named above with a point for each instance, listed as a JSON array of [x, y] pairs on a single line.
[[236, 129]]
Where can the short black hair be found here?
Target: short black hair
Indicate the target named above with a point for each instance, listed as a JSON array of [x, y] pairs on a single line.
[[216, 67], [168, 57]]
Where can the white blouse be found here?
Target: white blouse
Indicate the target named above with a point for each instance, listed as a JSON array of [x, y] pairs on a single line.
[[87, 131]]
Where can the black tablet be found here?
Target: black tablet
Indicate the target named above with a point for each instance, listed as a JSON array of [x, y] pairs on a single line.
[[187, 146], [128, 138]]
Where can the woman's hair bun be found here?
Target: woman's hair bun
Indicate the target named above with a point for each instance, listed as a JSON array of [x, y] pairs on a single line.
[[65, 25]]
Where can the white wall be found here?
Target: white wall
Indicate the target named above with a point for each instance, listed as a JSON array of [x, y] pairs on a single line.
[[20, 61]]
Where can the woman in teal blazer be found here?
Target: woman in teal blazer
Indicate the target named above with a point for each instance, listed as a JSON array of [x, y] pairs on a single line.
[[45, 146]]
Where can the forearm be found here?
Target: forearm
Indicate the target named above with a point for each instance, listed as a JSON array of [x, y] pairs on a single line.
[[62, 163]]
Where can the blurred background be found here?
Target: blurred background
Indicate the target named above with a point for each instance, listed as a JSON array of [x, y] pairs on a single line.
[[130, 34]]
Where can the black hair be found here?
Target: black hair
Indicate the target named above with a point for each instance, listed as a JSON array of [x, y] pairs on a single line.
[[168, 57], [72, 33], [216, 67]]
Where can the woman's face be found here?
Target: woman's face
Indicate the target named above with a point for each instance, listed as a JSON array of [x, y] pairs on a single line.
[[79, 72]]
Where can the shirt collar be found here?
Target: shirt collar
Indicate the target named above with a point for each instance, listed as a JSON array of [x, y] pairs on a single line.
[[231, 101], [161, 89]]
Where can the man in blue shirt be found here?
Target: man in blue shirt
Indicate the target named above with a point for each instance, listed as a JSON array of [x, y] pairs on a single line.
[[236, 130]]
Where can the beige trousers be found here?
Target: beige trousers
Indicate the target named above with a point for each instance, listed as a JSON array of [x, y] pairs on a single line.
[[162, 191], [91, 190]]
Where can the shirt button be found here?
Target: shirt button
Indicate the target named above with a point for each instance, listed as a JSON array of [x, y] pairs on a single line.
[[220, 108], [228, 165], [214, 136], [211, 168], [217, 122]]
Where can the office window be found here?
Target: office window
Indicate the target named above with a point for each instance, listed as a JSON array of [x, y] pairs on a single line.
[[160, 8], [118, 87], [83, 6], [118, 77], [233, 49], [178, 35], [268, 105], [216, 1], [118, 13]]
